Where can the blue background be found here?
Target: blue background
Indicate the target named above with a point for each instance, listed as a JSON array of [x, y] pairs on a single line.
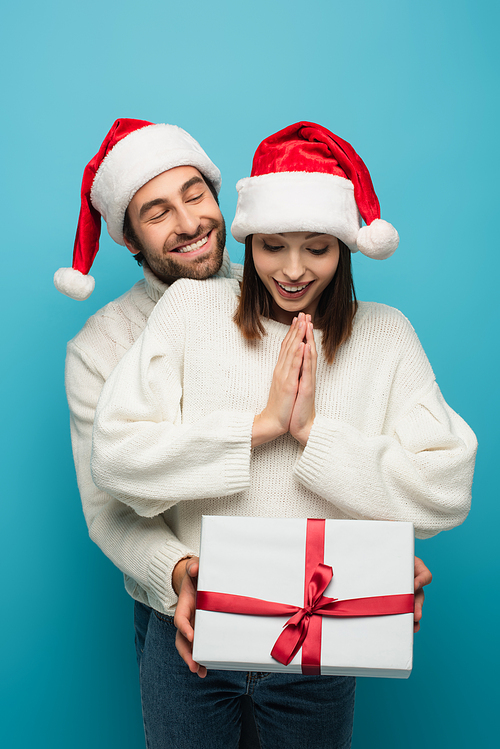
[[414, 87]]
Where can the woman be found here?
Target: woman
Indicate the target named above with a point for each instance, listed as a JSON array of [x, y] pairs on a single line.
[[291, 400]]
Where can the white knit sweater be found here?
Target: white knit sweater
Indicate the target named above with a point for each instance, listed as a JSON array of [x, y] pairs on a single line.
[[174, 422], [144, 549]]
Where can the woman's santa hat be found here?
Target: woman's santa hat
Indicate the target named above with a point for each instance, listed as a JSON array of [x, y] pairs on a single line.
[[305, 178], [132, 153]]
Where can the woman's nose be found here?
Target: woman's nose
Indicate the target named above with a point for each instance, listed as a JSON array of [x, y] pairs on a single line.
[[294, 267]]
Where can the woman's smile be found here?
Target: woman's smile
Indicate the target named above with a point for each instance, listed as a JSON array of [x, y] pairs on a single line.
[[288, 291]]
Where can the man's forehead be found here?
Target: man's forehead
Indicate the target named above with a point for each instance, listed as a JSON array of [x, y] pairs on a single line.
[[167, 186]]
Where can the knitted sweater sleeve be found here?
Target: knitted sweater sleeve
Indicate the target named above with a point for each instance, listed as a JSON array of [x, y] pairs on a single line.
[[144, 549], [142, 448], [418, 469]]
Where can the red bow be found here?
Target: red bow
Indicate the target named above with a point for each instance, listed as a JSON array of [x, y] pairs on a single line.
[[295, 630]]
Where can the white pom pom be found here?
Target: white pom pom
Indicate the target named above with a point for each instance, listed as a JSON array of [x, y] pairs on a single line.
[[73, 283], [379, 240]]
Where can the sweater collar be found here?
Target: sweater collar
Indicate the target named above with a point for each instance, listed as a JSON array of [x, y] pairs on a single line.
[[155, 288]]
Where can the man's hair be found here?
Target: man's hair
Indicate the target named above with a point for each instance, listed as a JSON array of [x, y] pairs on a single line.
[[334, 315], [132, 238]]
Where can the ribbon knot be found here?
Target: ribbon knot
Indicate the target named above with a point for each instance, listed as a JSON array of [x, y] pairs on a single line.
[[295, 629]]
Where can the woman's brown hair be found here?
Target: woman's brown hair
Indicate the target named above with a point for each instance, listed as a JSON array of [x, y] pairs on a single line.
[[334, 315]]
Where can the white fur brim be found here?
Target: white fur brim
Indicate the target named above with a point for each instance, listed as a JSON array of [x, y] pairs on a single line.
[[138, 158], [73, 283], [297, 201]]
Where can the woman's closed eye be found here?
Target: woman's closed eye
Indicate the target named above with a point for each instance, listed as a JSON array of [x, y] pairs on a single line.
[[272, 248], [318, 250]]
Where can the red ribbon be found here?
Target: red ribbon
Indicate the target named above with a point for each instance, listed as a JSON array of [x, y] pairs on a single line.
[[303, 628]]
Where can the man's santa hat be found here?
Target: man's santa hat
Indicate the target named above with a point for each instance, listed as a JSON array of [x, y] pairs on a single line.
[[305, 178], [132, 153]]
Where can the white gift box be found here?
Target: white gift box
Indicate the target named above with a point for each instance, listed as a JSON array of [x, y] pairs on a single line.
[[264, 558]]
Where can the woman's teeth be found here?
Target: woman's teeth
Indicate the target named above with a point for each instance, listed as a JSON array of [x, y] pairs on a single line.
[[194, 246], [291, 289]]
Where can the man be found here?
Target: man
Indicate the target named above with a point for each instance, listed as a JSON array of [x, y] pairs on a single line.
[[157, 191]]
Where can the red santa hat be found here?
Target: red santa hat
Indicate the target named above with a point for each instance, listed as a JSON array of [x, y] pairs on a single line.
[[132, 153], [305, 178]]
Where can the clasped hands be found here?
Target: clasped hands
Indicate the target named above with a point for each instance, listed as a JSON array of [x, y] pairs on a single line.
[[290, 406]]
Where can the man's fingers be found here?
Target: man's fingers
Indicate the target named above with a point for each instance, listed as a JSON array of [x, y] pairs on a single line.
[[184, 627], [423, 575], [417, 616], [185, 650], [419, 602], [184, 617], [192, 567], [184, 612], [186, 604]]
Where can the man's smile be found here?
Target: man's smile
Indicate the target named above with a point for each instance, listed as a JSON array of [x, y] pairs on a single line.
[[194, 248]]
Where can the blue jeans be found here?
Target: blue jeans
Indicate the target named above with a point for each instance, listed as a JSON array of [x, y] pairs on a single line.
[[182, 711]]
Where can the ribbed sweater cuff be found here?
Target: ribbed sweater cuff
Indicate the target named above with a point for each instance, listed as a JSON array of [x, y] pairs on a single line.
[[160, 573], [238, 444], [318, 451]]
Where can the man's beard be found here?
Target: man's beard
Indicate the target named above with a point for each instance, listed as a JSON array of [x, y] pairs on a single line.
[[169, 269]]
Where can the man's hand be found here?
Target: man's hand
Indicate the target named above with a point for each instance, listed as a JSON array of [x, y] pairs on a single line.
[[423, 576], [184, 581]]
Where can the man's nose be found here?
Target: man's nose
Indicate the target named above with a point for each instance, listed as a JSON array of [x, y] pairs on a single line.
[[187, 221]]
